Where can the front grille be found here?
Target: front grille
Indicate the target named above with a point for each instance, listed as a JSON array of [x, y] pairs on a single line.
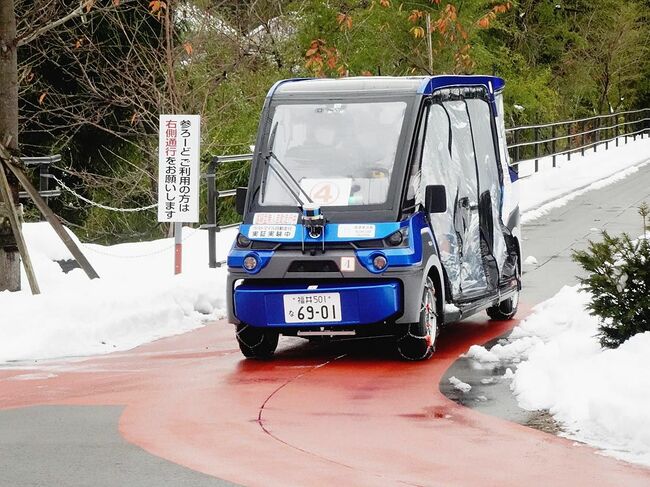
[[262, 245], [369, 244], [317, 246], [313, 266]]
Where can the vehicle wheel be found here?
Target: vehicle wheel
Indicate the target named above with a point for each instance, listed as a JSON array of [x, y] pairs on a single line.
[[417, 341], [256, 342], [506, 309]]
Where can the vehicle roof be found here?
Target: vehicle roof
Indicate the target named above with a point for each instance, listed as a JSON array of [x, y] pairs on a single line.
[[423, 85]]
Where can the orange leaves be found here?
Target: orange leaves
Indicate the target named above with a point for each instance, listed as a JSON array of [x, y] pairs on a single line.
[[344, 21], [187, 46], [157, 7], [79, 43], [485, 21], [41, 98], [134, 118], [88, 4], [384, 3], [323, 60], [116, 3], [415, 16]]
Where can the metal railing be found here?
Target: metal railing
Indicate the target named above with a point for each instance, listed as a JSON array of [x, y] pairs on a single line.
[[533, 142], [43, 165], [525, 143], [214, 194]]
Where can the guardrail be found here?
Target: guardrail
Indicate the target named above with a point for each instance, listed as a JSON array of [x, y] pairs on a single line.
[[525, 143], [43, 165], [532, 142], [214, 194]]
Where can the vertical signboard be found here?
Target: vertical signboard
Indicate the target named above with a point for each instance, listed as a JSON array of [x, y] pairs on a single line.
[[178, 168]]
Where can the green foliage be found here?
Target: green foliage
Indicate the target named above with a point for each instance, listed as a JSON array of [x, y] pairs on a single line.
[[619, 282], [560, 60]]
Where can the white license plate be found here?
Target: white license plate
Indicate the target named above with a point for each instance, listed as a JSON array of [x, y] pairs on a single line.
[[312, 307]]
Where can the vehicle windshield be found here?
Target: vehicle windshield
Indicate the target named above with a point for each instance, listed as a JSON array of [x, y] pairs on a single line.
[[342, 154]]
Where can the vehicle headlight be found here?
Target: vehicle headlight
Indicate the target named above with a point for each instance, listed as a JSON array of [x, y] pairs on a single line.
[[395, 239], [243, 240]]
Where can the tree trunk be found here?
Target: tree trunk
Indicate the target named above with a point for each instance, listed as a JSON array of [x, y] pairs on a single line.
[[9, 258]]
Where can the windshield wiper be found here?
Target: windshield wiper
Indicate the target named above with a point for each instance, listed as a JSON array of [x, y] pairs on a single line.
[[271, 165]]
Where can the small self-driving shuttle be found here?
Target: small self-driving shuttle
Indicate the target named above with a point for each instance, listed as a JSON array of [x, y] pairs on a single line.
[[375, 206]]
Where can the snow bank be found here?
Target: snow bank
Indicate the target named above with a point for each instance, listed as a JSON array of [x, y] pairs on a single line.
[[137, 299], [555, 187], [601, 397]]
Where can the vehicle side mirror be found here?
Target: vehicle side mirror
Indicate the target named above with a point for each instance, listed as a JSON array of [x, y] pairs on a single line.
[[240, 199], [435, 199]]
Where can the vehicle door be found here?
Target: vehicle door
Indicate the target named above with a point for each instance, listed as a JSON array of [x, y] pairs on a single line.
[[448, 158], [490, 178]]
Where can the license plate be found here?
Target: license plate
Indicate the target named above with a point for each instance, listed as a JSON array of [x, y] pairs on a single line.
[[312, 308]]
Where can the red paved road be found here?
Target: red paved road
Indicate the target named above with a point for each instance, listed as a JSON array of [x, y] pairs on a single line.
[[341, 414]]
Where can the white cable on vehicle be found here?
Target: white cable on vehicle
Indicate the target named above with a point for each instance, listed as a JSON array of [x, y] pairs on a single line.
[[99, 205]]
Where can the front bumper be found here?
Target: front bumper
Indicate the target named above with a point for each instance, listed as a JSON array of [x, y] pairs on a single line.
[[362, 303]]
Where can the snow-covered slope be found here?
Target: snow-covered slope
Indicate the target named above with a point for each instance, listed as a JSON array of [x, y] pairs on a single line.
[[137, 299], [599, 396], [554, 187]]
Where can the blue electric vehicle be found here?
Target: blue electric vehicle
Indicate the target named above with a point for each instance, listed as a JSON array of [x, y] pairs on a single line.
[[376, 206]]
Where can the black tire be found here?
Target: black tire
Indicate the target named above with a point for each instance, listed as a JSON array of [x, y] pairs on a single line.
[[505, 310], [417, 341], [256, 342]]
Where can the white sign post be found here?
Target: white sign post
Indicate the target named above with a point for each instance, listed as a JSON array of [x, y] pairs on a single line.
[[178, 175]]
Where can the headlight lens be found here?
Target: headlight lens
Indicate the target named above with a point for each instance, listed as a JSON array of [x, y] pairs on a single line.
[[396, 238], [250, 263], [242, 240]]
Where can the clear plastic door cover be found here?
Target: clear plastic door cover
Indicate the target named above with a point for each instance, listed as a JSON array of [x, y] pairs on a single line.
[[490, 175], [457, 231], [439, 167]]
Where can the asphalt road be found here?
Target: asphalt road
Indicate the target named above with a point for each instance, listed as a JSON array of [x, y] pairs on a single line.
[[189, 410]]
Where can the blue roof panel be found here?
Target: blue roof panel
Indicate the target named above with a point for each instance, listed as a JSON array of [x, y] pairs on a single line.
[[423, 85]]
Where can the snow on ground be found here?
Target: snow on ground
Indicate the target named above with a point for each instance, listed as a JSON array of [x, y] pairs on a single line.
[[459, 384], [555, 187], [599, 396], [138, 299]]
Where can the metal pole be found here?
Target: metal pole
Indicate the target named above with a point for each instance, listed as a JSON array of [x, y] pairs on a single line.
[[516, 139], [616, 128], [429, 44], [597, 134], [212, 213], [625, 126], [536, 149], [582, 149], [178, 247], [553, 143], [568, 132]]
